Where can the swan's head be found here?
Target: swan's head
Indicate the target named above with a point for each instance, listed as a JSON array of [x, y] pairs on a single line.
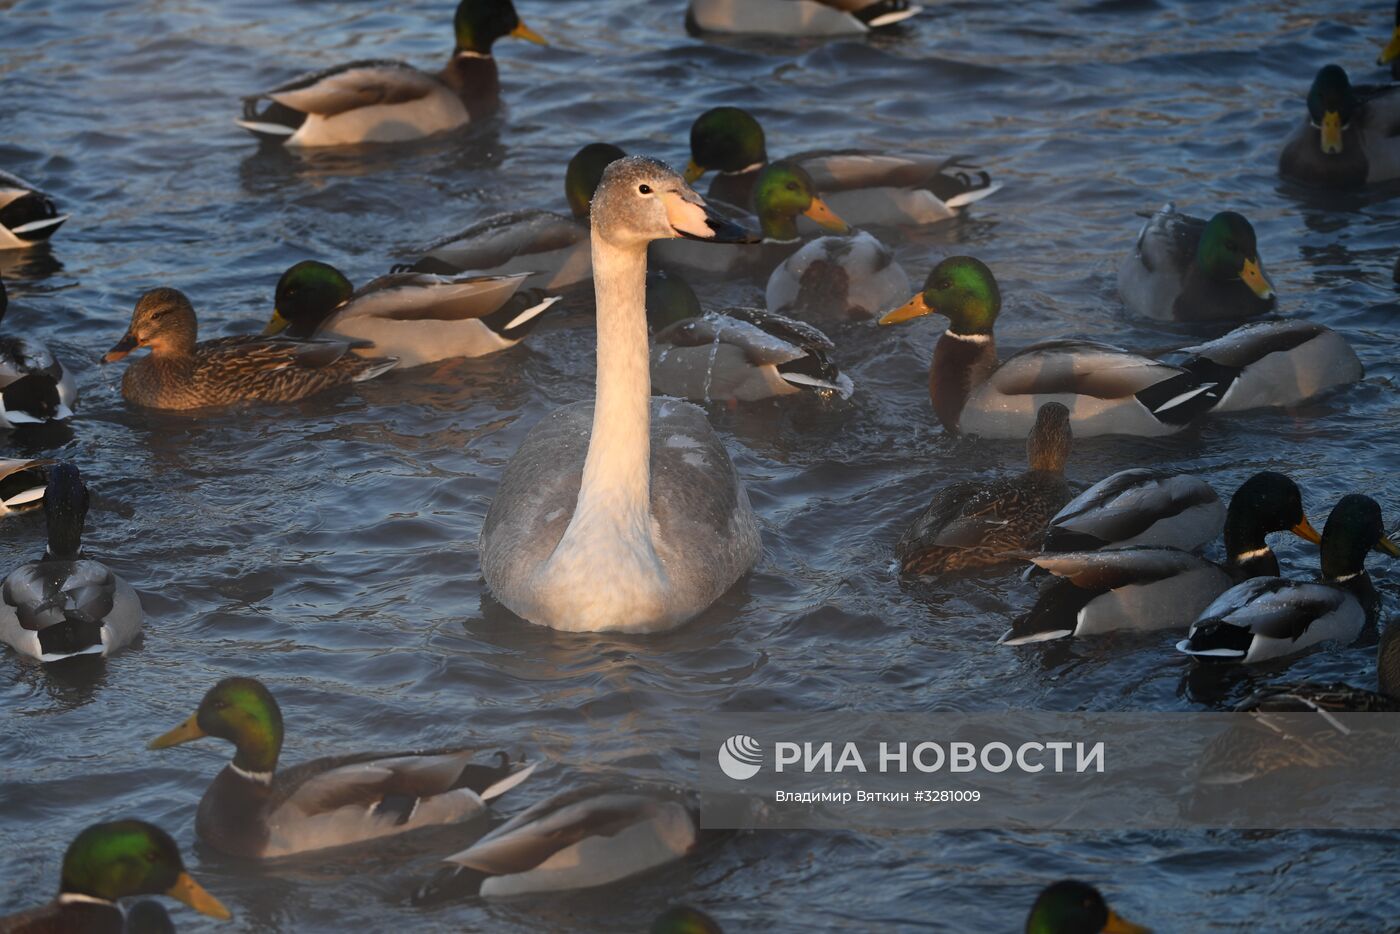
[[641, 199]]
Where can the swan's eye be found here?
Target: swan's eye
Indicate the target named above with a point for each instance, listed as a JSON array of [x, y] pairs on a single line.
[[644, 189]]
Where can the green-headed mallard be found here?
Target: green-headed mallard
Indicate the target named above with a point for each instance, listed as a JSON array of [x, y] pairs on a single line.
[[734, 355], [682, 919], [1185, 269], [836, 279], [865, 188], [978, 523], [1072, 907], [414, 316], [381, 100], [1107, 390], [1348, 138], [253, 810], [107, 862], [581, 839], [784, 191], [796, 17], [1390, 55], [35, 387], [27, 215], [22, 483], [1338, 698], [65, 603], [1269, 617], [1273, 363], [1144, 583], [549, 246], [183, 374]]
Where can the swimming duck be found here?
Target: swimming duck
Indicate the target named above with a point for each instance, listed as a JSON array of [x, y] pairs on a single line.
[[1347, 139], [976, 523], [1269, 617], [1107, 390], [22, 484], [623, 513], [1156, 586], [1338, 698], [107, 862], [183, 374], [382, 101], [1390, 55], [581, 839], [1273, 363], [35, 387], [148, 917], [1072, 907], [865, 188], [783, 192], [417, 317], [796, 17], [27, 215], [734, 355], [549, 246], [1185, 269], [682, 919], [253, 810], [837, 279], [1139, 506], [66, 604]]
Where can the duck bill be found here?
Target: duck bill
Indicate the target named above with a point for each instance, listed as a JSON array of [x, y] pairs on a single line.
[[693, 172], [820, 212], [193, 894], [1116, 924], [916, 307], [696, 221], [181, 734], [276, 324], [1386, 546], [1391, 50], [521, 31], [1253, 275], [1332, 133], [119, 350], [1306, 532]]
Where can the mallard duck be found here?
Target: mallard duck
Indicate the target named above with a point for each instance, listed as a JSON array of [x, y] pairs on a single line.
[[1185, 269], [1072, 907], [1139, 506], [1155, 586], [1273, 363], [1269, 617], [35, 387], [784, 191], [623, 512], [1390, 55], [977, 523], [107, 862], [417, 317], [734, 355], [1348, 138], [796, 17], [836, 279], [148, 917], [67, 604], [183, 374], [1107, 390], [27, 215], [22, 484], [682, 919], [383, 101], [865, 188], [581, 839], [552, 248], [253, 810]]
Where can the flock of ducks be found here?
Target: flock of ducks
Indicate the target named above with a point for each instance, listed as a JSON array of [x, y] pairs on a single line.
[[625, 513]]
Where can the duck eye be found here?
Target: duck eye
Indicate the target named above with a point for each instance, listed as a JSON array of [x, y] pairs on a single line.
[[1232, 246], [792, 186], [644, 189], [942, 284]]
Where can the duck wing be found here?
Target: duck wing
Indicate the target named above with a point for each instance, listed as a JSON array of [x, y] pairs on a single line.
[[417, 296], [349, 86], [1167, 242], [501, 238], [953, 180], [1127, 507], [1269, 616], [875, 13]]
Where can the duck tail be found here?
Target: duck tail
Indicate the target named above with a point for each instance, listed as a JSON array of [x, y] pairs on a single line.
[[887, 12], [275, 123], [33, 399], [1179, 399], [815, 371], [514, 776], [1215, 638], [72, 637], [375, 368], [1055, 615]]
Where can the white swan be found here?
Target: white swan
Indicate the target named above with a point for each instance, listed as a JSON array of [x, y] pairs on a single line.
[[624, 513]]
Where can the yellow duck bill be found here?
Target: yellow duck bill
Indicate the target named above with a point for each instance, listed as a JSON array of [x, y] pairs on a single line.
[[1253, 275], [183, 733], [693, 172], [916, 307], [521, 31], [193, 894], [822, 213], [1331, 133], [121, 348], [1391, 50], [275, 325]]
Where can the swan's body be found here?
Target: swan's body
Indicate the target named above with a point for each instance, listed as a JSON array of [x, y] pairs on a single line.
[[623, 513]]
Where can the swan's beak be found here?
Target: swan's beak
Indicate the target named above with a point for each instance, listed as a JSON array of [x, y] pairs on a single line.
[[822, 213], [1253, 275], [1392, 49], [1332, 133], [193, 894], [693, 172], [123, 347], [697, 222], [521, 31], [276, 324], [916, 307]]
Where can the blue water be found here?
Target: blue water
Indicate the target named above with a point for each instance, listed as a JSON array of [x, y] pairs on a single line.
[[329, 547]]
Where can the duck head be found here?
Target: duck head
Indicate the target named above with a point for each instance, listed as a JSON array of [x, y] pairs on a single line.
[[669, 299], [1267, 502], [1331, 105], [960, 288], [242, 711], [1352, 530], [307, 294], [1048, 444], [65, 509], [782, 191], [1072, 907], [1392, 49], [682, 919], [585, 172], [131, 857], [1228, 250], [725, 139], [163, 320], [641, 199], [479, 23]]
